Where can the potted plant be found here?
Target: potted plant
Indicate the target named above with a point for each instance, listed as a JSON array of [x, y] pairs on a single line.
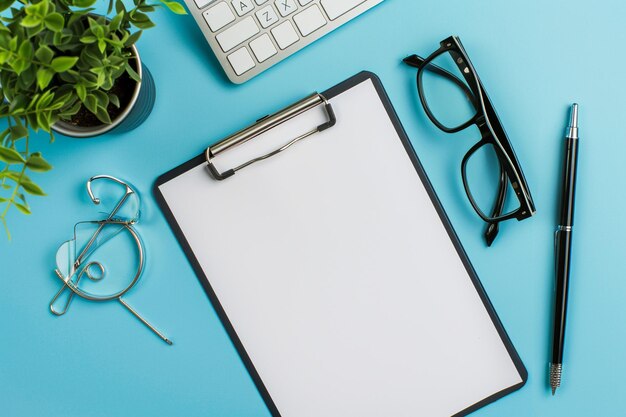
[[65, 69]]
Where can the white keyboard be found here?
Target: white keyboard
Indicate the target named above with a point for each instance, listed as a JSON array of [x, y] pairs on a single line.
[[249, 36]]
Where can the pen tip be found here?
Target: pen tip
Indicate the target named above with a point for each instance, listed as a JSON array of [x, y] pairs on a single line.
[[553, 391], [574, 116]]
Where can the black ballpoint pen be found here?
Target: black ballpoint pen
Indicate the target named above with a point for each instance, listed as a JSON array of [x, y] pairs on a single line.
[[563, 247]]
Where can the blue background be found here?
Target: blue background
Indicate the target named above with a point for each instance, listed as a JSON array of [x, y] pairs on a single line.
[[535, 58]]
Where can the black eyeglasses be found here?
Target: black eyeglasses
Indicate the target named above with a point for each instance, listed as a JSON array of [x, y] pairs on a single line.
[[454, 98]]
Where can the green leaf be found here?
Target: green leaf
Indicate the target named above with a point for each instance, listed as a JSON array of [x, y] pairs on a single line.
[[145, 24], [71, 111], [96, 29], [139, 18], [5, 4], [81, 92], [44, 54], [39, 9], [69, 77], [63, 63], [103, 116], [32, 102], [119, 6], [27, 78], [175, 7], [31, 21], [84, 3], [115, 100], [43, 120], [18, 178], [132, 39], [32, 32], [32, 188], [18, 104], [26, 50], [88, 39], [44, 76], [102, 98], [146, 8], [91, 103], [102, 45], [133, 74], [64, 93], [18, 132], [78, 15], [19, 65], [4, 56], [90, 57], [54, 22], [116, 21], [4, 134], [32, 121], [10, 156], [56, 105], [45, 100], [108, 82], [22, 207], [101, 79], [37, 163], [115, 42]]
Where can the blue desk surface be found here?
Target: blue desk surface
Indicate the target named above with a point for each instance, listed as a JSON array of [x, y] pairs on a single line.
[[534, 58]]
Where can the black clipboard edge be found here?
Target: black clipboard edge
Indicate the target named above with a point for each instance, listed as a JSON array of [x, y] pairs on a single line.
[[204, 281], [517, 361]]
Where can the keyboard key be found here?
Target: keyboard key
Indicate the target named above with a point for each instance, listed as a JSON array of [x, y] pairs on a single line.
[[309, 20], [237, 33], [260, 2], [241, 60], [285, 7], [285, 34], [263, 47], [267, 16], [336, 8], [218, 16], [304, 2], [202, 3], [242, 6]]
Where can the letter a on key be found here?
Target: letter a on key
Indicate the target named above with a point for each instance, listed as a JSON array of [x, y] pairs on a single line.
[[242, 6]]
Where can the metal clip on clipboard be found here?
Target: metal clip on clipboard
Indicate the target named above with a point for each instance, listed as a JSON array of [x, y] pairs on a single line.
[[265, 124]]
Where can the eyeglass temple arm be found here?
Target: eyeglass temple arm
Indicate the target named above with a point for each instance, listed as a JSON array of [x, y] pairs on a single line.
[[492, 229], [418, 62]]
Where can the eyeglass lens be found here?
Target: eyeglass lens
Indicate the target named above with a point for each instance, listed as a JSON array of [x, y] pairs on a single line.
[[483, 180], [447, 95]]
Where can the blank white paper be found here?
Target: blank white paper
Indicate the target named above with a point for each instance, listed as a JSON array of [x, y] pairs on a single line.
[[337, 273]]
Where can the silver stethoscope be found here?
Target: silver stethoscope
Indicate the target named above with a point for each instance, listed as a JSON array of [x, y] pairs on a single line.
[[80, 266]]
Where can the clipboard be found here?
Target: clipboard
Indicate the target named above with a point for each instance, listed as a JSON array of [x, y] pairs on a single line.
[[332, 265]]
